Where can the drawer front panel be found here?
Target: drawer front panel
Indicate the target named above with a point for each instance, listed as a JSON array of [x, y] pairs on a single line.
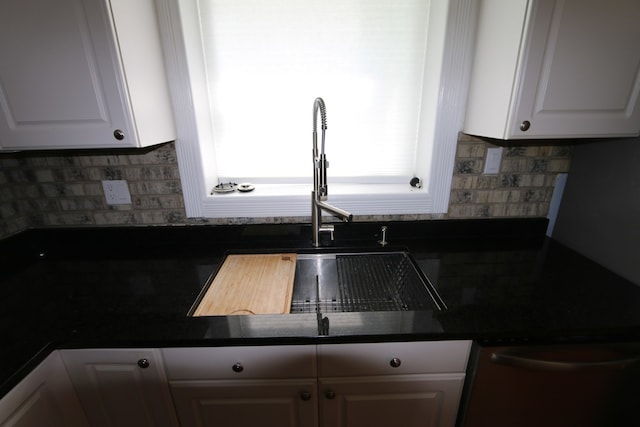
[[339, 360], [240, 362]]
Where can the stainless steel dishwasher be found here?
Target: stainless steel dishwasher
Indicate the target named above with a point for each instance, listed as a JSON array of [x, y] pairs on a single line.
[[563, 385]]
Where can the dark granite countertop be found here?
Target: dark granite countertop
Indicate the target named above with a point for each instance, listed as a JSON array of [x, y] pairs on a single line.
[[502, 280]]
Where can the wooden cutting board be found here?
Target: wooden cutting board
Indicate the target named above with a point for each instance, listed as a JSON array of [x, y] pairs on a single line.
[[251, 284]]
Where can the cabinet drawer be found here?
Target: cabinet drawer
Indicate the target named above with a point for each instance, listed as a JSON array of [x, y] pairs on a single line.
[[339, 360], [240, 362]]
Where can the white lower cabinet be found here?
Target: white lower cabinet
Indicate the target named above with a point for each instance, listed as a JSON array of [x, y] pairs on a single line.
[[402, 400], [238, 403], [121, 387], [341, 385], [416, 384], [45, 397], [244, 386]]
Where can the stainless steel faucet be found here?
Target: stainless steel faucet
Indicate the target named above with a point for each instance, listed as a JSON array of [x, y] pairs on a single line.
[[320, 192]]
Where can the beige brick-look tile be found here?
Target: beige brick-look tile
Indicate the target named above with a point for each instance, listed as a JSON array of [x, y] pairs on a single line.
[[503, 196], [459, 197], [156, 187], [44, 175], [8, 162], [60, 218], [489, 182], [85, 204], [151, 173], [69, 174], [93, 189], [462, 182], [115, 218], [481, 196], [559, 165], [514, 164], [159, 202], [499, 210], [150, 217], [477, 150], [105, 160], [64, 188]]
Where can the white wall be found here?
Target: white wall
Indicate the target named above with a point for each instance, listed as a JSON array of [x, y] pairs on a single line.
[[600, 211]]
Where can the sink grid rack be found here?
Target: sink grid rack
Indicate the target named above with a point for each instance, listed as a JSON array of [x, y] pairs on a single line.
[[386, 282]]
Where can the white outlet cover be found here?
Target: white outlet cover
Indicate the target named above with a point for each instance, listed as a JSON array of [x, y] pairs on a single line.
[[116, 192], [492, 162]]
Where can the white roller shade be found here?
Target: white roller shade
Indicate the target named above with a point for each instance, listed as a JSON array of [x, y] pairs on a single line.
[[267, 60]]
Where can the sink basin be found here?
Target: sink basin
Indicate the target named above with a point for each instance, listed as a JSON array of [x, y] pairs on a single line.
[[363, 281], [320, 282]]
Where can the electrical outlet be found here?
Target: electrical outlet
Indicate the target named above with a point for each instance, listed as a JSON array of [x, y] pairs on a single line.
[[492, 162], [116, 192]]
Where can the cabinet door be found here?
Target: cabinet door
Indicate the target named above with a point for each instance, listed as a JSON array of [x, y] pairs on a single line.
[[555, 69], [45, 397], [409, 400], [121, 387], [581, 71], [66, 77], [246, 403]]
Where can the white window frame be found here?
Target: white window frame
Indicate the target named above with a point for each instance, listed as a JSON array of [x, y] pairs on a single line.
[[197, 173]]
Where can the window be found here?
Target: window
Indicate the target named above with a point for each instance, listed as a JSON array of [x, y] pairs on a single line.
[[267, 61], [392, 83]]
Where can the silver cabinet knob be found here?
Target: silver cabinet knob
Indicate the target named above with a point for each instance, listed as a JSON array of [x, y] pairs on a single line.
[[237, 367], [305, 395], [330, 394], [143, 363], [395, 362], [118, 134], [524, 126]]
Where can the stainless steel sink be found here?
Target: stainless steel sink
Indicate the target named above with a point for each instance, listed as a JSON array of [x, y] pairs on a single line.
[[363, 281]]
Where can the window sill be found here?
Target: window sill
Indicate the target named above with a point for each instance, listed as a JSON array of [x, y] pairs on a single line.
[[273, 200]]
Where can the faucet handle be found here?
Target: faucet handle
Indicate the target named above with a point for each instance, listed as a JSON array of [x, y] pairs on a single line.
[[327, 228]]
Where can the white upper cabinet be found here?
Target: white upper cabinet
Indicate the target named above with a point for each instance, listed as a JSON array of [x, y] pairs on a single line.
[[555, 69], [82, 74]]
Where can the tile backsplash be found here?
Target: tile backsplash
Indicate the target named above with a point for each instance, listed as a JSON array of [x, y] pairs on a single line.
[[64, 188], [522, 188]]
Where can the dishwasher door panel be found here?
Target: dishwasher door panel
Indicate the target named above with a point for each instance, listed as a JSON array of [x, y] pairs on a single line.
[[567, 385]]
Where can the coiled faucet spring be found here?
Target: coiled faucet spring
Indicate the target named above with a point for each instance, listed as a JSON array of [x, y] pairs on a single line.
[[319, 103], [320, 191]]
